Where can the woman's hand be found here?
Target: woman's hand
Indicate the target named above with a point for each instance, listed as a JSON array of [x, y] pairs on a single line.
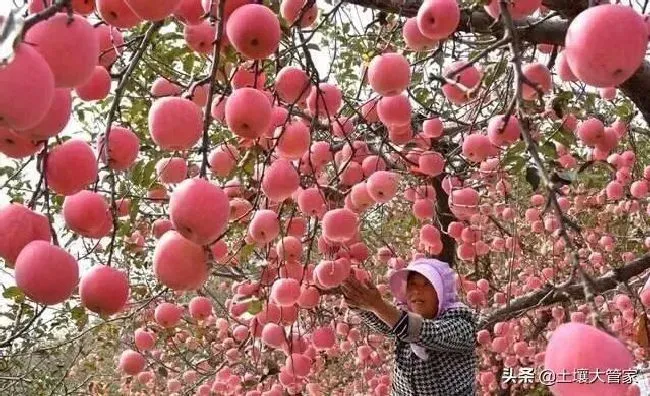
[[368, 298], [358, 295]]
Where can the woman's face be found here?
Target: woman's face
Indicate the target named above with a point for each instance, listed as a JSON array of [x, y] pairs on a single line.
[[421, 297]]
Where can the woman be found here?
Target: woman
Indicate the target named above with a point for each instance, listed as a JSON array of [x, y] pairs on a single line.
[[434, 332]]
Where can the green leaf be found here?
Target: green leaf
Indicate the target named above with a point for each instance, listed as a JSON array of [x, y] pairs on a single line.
[[590, 102], [624, 111], [58, 200], [565, 137], [14, 293], [136, 173], [170, 36], [6, 170], [249, 166], [514, 154], [125, 229], [77, 312], [495, 72], [79, 315], [135, 204], [245, 252], [147, 172], [417, 78], [255, 306], [188, 63], [563, 97], [518, 165], [548, 149]]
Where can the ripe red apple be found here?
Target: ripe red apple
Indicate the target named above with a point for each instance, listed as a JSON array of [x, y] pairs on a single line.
[[71, 167], [199, 210], [104, 290], [389, 74], [292, 9], [254, 30], [280, 180], [178, 263], [200, 37], [26, 89], [168, 314], [606, 44], [97, 87], [325, 100], [190, 12], [46, 273], [18, 227], [117, 13], [200, 308], [248, 113], [340, 225], [610, 354], [87, 213], [175, 123], [414, 38], [111, 42], [153, 11], [123, 148], [14, 145], [292, 84], [437, 19], [71, 48], [131, 362], [264, 226], [56, 118]]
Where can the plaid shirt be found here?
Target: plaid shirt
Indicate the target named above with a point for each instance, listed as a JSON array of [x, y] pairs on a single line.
[[449, 340]]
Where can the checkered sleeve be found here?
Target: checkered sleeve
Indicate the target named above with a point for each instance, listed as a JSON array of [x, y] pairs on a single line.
[[373, 322], [453, 333], [482, 322]]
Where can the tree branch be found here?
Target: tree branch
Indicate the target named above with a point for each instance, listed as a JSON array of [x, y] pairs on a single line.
[[47, 13], [20, 332], [213, 77], [119, 92], [532, 30], [475, 21], [550, 295]]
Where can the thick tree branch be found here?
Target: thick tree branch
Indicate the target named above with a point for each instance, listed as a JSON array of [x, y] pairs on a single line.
[[531, 30], [637, 87], [445, 217], [566, 8], [550, 295]]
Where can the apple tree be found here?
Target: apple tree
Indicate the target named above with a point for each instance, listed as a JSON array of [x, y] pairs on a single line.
[[187, 183]]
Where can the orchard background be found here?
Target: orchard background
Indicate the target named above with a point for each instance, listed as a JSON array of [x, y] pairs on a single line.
[[257, 159]]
